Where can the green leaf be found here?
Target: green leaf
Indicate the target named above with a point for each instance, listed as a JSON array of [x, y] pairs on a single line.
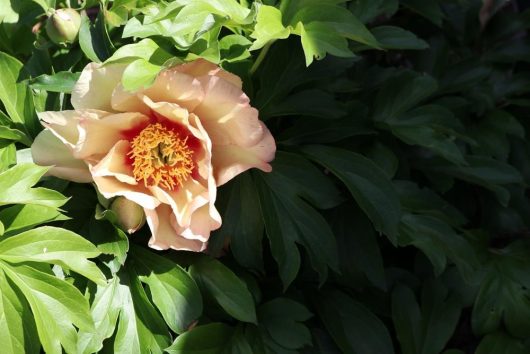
[[139, 74], [503, 294], [94, 40], [281, 318], [140, 327], [268, 27], [406, 316], [146, 49], [63, 81], [368, 184], [56, 304], [173, 291], [501, 343], [318, 39], [16, 95], [429, 126], [438, 241], [242, 221], [16, 183], [354, 328], [401, 93], [391, 37], [430, 9], [53, 245], [206, 339], [359, 251], [234, 48], [367, 10], [21, 217], [483, 171], [289, 219], [104, 309], [18, 333], [230, 292], [109, 239], [311, 102]]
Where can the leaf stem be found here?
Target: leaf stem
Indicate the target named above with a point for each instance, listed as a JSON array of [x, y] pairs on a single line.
[[260, 58]]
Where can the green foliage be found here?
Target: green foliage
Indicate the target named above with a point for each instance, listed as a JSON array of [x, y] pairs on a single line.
[[395, 218]]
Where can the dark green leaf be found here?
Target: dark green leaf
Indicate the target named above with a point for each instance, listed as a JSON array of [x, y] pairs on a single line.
[[228, 290]]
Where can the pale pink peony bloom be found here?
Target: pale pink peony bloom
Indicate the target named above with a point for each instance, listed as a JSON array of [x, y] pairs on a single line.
[[167, 147]]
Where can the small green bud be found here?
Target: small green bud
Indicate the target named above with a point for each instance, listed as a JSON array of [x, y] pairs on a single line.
[[131, 216], [63, 25]]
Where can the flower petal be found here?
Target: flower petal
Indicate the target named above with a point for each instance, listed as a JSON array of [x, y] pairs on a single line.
[[95, 85], [48, 150], [164, 235], [97, 136], [114, 164], [201, 67], [201, 225], [111, 187], [230, 160], [227, 115], [62, 124]]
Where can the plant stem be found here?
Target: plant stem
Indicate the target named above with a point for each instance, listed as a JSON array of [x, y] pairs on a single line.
[[260, 58]]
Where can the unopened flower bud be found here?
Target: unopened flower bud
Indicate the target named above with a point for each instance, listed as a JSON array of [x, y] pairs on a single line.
[[131, 216], [63, 25]]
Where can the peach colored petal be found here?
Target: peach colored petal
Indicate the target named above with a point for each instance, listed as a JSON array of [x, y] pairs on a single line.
[[97, 136], [48, 150], [164, 235], [183, 201], [111, 187], [125, 101], [94, 88], [201, 67], [114, 164], [62, 124], [201, 225], [227, 115], [230, 160]]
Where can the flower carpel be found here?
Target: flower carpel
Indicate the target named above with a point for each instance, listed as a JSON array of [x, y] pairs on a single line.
[[161, 156]]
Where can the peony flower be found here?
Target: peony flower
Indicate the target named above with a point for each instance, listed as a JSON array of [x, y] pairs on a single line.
[[166, 148]]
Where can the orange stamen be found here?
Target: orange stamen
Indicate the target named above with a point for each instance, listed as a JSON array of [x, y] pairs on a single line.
[[161, 156]]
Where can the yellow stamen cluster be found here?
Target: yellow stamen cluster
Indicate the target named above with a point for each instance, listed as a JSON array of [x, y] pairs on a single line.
[[160, 157]]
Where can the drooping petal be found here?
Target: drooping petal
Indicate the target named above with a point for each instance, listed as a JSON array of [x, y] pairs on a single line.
[[114, 164], [62, 124], [48, 150], [164, 236], [111, 187], [201, 225], [230, 160], [97, 136], [227, 115], [183, 201], [94, 88]]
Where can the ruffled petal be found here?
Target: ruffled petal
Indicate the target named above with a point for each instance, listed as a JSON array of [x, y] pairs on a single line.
[[184, 201], [98, 136], [164, 236], [201, 225], [202, 67], [114, 164], [230, 160], [111, 187], [94, 88], [227, 115], [48, 150]]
